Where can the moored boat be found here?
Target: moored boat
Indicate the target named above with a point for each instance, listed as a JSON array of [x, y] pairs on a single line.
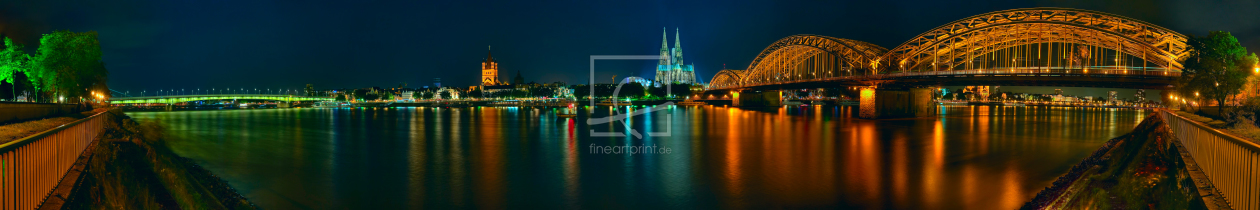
[[569, 112]]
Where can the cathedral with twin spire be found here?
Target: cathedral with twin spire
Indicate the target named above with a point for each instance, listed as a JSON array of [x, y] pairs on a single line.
[[670, 69]]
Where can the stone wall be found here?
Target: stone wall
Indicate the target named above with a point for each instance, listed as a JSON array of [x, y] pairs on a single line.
[[15, 112]]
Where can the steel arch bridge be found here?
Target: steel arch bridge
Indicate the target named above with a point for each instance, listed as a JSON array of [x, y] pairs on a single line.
[[1049, 45], [804, 57], [186, 98], [727, 77]]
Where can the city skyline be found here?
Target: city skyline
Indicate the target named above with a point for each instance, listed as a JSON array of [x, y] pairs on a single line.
[[146, 41], [1039, 104]]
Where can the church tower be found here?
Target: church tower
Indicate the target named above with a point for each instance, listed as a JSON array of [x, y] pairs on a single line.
[[489, 70], [665, 53], [518, 80], [678, 55]]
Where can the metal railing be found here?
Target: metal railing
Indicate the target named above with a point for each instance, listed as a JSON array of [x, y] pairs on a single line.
[[31, 167], [1231, 163]]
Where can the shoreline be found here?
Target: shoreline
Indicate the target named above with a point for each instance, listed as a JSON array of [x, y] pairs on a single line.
[[1140, 169], [132, 168]]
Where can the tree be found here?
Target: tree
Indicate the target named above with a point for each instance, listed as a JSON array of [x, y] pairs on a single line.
[[1217, 67], [539, 91], [657, 91], [516, 93], [603, 90], [581, 91], [361, 94], [69, 62], [631, 90], [681, 90], [12, 61], [340, 97], [474, 93]]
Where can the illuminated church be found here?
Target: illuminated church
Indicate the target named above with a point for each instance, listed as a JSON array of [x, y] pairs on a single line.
[[670, 69], [490, 71]]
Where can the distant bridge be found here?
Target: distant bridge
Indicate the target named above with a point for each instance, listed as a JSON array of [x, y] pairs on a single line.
[[1024, 47], [171, 99]]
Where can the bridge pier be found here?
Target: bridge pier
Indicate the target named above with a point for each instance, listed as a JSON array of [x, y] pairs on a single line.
[[757, 98], [889, 103]]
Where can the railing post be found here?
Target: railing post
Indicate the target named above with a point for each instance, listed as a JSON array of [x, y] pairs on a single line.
[[32, 166], [1230, 163]]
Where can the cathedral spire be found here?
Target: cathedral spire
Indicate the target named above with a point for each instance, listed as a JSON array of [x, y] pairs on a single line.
[[678, 55], [665, 56]]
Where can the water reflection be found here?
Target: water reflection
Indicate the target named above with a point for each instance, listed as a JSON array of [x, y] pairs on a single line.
[[971, 157]]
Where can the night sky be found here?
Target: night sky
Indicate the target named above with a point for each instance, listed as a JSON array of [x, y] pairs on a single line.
[[351, 44]]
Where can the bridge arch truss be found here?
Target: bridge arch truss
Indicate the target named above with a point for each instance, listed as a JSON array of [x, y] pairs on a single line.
[[805, 57], [727, 78], [1024, 43], [1078, 38]]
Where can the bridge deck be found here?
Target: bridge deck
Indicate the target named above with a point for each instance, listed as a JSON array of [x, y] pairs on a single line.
[[185, 98], [1116, 78]]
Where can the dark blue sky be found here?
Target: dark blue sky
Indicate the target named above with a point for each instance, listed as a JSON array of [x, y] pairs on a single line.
[[350, 44]]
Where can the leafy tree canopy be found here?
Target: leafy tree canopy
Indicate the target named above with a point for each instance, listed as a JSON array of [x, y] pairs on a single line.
[[69, 62], [12, 60], [1217, 67]]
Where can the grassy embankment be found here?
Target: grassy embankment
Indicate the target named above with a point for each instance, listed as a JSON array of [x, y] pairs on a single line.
[[132, 168], [1245, 130], [1139, 170], [15, 131]]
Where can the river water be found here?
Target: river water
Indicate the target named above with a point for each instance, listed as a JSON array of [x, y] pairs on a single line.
[[970, 157]]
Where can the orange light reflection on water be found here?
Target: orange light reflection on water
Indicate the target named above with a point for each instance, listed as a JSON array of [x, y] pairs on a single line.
[[734, 170], [489, 156]]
